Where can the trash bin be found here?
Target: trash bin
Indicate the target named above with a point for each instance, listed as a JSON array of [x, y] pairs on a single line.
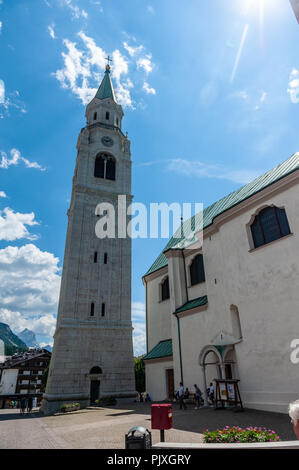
[[141, 440]]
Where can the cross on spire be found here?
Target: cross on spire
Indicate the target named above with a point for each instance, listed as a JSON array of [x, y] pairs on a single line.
[[108, 65]]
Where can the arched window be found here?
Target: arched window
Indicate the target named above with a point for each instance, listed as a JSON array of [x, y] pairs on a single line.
[[95, 116], [165, 289], [197, 271], [107, 115], [270, 224], [95, 257], [104, 167], [92, 309], [105, 258], [95, 370]]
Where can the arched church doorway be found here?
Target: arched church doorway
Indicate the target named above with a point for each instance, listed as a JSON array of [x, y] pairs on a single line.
[[211, 364], [95, 374]]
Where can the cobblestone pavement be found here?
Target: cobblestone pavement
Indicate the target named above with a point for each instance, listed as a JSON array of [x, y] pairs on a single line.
[[96, 428]]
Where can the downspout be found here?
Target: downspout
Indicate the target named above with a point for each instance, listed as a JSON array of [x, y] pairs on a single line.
[[180, 349], [146, 319]]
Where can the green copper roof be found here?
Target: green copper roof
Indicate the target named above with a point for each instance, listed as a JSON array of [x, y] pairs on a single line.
[[199, 302], [181, 240], [162, 349], [106, 89]]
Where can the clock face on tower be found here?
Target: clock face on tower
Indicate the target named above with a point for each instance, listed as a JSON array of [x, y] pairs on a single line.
[[107, 141]]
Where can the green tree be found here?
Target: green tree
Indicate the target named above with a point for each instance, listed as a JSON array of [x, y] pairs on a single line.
[[139, 374]]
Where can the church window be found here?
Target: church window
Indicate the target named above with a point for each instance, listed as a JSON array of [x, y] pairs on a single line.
[[270, 224], [95, 116], [117, 121], [105, 167], [95, 257], [103, 309], [107, 115], [165, 289], [105, 258], [197, 271], [92, 309]]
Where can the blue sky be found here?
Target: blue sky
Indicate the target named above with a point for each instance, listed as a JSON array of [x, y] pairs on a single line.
[[210, 92]]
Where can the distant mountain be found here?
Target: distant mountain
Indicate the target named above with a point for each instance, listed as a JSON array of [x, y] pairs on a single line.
[[12, 342], [48, 348], [29, 338]]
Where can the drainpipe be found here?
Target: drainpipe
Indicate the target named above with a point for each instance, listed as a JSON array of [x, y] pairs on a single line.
[[146, 319], [180, 349]]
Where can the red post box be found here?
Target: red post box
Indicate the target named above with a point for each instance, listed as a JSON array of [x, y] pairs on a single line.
[[162, 416]]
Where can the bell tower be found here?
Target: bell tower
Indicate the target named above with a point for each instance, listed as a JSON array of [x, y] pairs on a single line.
[[93, 351]]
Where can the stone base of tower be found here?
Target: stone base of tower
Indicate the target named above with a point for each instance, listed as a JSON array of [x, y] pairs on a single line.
[[52, 403]]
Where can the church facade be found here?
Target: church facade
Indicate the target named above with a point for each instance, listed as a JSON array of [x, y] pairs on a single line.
[[93, 351], [228, 307]]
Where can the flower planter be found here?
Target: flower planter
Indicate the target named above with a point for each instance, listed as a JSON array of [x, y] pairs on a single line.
[[235, 434], [70, 407]]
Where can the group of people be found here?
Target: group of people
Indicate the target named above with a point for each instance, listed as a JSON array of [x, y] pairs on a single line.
[[26, 403], [144, 397], [182, 395]]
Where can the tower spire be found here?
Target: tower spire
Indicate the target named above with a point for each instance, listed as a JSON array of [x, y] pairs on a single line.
[[106, 89]]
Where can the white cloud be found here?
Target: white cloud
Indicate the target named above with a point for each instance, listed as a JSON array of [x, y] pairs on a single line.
[[202, 170], [139, 332], [84, 66], [145, 63], [133, 50], [12, 100], [293, 89], [76, 11], [3, 194], [17, 158], [148, 90], [30, 281], [51, 31], [0, 26], [13, 225], [2, 92]]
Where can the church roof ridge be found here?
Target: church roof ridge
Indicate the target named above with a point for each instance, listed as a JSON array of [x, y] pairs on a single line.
[[227, 202]]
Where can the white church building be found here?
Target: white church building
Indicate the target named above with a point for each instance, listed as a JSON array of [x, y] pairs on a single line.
[[229, 307]]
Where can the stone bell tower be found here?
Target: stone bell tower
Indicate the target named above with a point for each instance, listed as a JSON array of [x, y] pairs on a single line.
[[93, 351]]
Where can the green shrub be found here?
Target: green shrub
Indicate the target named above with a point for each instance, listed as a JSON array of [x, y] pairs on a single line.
[[236, 434], [69, 405]]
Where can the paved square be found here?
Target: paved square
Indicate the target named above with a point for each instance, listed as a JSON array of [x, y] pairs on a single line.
[[105, 428]]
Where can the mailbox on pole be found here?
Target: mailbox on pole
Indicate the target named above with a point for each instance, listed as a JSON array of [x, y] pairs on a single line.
[[162, 418]]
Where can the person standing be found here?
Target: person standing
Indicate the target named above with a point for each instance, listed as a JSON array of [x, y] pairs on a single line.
[[29, 405], [211, 392], [197, 396], [23, 406], [181, 396], [294, 415]]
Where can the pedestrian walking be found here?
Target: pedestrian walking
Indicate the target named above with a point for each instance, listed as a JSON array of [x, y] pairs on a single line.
[[29, 404], [23, 406], [181, 396], [197, 397], [211, 392]]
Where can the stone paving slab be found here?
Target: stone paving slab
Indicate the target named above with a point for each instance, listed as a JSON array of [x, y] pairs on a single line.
[[105, 428]]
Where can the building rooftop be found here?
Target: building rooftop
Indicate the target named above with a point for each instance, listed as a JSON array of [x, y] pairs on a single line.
[[199, 302], [16, 359], [182, 237], [162, 349]]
